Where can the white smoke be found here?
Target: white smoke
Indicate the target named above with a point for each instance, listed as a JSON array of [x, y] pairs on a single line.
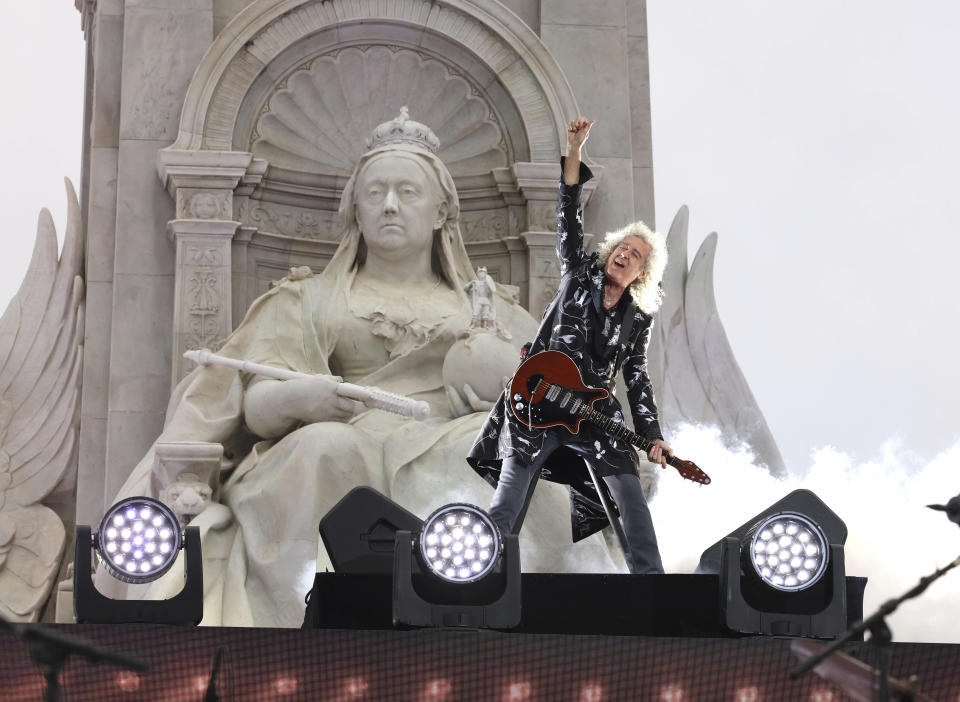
[[893, 538]]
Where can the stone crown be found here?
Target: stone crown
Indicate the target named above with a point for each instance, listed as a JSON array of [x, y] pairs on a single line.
[[403, 130]]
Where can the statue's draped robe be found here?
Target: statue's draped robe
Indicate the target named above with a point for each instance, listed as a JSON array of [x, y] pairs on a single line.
[[260, 536]]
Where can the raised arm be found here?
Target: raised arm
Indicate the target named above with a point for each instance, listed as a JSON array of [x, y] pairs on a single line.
[[575, 174], [578, 131]]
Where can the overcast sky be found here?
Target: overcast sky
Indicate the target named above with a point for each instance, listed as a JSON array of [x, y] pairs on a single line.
[[42, 51], [819, 139]]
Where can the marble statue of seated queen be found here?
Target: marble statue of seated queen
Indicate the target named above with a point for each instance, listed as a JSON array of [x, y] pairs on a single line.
[[385, 312]]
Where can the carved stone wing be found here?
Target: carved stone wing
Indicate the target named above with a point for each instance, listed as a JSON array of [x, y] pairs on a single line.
[[691, 362], [41, 337]]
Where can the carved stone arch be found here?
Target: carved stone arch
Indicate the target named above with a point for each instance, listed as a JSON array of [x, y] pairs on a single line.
[[266, 28], [257, 175]]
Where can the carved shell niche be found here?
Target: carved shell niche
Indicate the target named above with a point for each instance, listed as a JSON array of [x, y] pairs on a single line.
[[319, 119]]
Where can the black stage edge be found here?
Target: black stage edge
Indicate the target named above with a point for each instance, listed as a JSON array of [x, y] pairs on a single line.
[[606, 605], [443, 665]]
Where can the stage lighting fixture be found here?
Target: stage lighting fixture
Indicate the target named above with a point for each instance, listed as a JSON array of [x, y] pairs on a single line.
[[454, 570], [460, 543], [782, 572], [462, 572], [138, 540], [788, 552]]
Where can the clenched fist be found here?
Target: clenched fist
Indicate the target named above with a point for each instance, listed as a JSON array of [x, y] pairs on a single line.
[[577, 132]]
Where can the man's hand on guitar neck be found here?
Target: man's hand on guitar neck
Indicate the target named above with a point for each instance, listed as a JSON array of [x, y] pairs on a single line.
[[656, 454]]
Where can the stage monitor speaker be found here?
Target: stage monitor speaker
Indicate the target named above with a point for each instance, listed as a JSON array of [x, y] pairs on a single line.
[[360, 530]]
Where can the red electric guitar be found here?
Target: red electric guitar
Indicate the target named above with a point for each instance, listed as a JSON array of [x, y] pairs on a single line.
[[547, 391]]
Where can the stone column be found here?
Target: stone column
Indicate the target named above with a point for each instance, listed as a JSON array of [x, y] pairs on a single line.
[[641, 136], [202, 314], [103, 25], [202, 183]]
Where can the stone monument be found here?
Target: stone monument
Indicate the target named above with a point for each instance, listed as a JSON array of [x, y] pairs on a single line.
[[255, 130], [385, 312]]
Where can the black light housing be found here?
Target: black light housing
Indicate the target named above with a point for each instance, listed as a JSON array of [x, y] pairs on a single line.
[[138, 540], [782, 572]]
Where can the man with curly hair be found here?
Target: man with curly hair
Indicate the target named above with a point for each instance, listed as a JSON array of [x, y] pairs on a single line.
[[601, 317]]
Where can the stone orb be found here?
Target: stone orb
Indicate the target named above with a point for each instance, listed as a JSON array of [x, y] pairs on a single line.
[[481, 360]]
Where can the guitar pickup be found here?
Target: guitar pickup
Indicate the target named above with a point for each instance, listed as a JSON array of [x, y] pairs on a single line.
[[565, 400], [553, 392]]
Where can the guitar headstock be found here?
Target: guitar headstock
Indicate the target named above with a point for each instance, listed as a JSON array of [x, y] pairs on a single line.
[[690, 471]]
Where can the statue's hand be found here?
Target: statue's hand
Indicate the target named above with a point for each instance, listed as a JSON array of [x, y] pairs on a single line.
[[466, 403], [274, 407], [476, 403], [316, 400]]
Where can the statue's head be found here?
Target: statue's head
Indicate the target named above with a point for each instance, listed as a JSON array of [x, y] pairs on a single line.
[[401, 199]]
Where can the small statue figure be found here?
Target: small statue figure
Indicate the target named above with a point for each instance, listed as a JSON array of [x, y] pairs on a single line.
[[481, 291]]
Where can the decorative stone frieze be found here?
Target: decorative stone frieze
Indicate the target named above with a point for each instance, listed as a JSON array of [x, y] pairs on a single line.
[[541, 216], [483, 226], [204, 204], [296, 222]]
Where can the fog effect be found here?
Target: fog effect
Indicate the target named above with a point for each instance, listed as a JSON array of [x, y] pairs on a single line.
[[893, 538]]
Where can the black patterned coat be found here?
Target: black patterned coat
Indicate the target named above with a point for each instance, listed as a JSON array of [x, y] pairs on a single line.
[[576, 323]]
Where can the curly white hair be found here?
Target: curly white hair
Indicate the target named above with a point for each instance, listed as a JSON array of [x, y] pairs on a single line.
[[645, 290]]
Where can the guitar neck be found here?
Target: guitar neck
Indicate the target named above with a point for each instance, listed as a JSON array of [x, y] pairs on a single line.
[[617, 429]]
